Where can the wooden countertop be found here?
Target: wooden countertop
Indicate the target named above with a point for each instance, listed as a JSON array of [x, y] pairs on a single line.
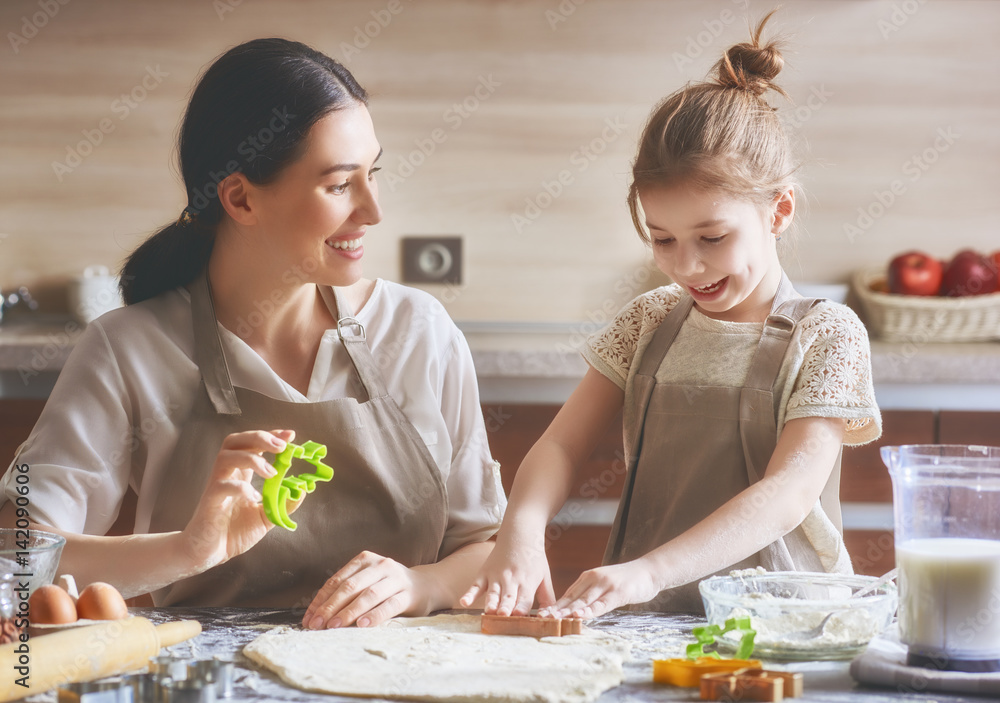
[[653, 635]]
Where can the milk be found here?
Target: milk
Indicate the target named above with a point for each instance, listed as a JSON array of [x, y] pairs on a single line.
[[949, 596]]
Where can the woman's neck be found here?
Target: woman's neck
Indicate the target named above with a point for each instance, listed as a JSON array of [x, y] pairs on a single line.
[[262, 306]]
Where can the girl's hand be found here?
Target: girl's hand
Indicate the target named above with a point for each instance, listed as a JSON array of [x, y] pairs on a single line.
[[511, 577], [230, 518], [600, 590], [369, 590]]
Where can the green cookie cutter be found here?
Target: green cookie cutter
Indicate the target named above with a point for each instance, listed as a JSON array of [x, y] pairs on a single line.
[[706, 636], [280, 490]]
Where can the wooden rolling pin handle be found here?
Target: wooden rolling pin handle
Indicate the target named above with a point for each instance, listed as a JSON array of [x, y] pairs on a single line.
[[85, 653], [171, 633]]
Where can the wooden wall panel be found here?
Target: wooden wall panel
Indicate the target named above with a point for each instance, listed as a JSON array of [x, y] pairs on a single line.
[[514, 428], [864, 477], [956, 427], [872, 551], [17, 417], [894, 116], [573, 550]]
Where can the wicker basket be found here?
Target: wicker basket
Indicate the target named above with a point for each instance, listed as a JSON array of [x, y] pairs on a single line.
[[913, 318]]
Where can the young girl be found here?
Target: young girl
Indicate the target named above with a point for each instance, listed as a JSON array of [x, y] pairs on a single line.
[[738, 393], [249, 325]]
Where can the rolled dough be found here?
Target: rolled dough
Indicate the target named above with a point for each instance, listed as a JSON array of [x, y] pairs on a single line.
[[442, 658]]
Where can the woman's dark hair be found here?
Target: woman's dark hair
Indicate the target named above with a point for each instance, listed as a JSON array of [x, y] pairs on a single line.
[[250, 112]]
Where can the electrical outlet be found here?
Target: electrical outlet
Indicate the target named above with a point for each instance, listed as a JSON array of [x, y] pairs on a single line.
[[432, 260]]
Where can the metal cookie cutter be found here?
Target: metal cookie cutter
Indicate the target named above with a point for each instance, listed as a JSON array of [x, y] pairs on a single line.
[[280, 490], [145, 687], [186, 691], [168, 667], [215, 672], [109, 691]]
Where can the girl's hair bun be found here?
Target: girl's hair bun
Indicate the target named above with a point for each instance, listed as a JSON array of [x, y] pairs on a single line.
[[750, 66]]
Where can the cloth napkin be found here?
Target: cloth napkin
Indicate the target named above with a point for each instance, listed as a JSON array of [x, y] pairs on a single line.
[[883, 663]]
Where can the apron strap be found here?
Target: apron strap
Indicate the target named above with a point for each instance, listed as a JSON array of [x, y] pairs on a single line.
[[352, 335], [211, 358], [644, 383], [651, 359], [757, 399], [208, 352], [664, 336]]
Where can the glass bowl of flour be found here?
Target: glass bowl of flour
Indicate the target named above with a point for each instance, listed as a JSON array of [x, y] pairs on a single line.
[[785, 607]]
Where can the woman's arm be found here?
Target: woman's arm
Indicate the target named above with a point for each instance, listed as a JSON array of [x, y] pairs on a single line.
[[371, 588], [228, 520], [774, 506], [517, 568]]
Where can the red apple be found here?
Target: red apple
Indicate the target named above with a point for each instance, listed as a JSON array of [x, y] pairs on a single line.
[[969, 273], [914, 273]]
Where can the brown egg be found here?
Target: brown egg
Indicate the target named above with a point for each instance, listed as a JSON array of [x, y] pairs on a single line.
[[101, 601], [51, 605]]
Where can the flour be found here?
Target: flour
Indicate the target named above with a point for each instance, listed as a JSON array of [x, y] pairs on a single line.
[[845, 630], [443, 658]]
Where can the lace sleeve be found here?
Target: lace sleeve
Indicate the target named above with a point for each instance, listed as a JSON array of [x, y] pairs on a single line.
[[836, 375], [612, 350]]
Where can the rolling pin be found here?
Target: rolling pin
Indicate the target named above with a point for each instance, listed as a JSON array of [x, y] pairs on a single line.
[[85, 653]]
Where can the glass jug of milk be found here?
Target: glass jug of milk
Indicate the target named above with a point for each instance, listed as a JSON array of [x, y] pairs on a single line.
[[946, 503]]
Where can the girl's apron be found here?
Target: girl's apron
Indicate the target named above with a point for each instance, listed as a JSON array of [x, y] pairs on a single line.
[[693, 448], [386, 495]]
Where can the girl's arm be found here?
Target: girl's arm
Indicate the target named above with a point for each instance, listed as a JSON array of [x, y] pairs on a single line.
[[517, 568], [774, 506], [228, 520]]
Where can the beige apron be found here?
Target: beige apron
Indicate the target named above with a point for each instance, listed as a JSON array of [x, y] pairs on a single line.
[[693, 448], [386, 495]]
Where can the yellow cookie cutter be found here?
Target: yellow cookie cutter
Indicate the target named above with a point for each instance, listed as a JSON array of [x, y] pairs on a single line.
[[280, 490], [688, 673]]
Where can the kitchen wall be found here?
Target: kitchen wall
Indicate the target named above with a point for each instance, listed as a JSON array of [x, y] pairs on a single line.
[[896, 106]]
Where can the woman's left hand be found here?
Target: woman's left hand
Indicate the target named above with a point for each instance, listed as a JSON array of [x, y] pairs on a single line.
[[605, 588], [369, 590]]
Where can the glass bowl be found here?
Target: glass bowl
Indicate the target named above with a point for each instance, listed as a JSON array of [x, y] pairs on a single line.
[[783, 605], [30, 556]]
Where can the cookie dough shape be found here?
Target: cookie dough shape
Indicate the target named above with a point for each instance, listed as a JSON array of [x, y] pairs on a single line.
[[442, 658]]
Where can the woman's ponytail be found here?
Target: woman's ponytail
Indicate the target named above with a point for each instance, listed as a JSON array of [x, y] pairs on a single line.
[[172, 257]]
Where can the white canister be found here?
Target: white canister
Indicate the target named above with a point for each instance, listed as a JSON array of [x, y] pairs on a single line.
[[93, 294]]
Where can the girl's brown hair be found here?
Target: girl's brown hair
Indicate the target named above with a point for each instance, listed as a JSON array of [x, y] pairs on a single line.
[[720, 134]]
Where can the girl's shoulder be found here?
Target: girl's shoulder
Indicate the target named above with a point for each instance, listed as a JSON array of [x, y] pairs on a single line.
[[828, 319]]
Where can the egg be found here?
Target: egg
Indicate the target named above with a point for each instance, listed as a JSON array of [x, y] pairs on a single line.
[[101, 601], [51, 605]]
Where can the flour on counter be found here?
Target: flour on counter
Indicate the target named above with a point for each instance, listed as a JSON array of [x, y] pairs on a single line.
[[443, 657]]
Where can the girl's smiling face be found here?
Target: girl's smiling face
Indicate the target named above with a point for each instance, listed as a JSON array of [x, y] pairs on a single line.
[[720, 249]]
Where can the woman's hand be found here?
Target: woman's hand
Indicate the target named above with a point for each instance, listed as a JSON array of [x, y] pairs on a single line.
[[605, 588], [230, 518], [369, 590], [511, 578]]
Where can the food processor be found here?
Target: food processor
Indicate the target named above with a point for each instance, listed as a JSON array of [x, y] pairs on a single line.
[[946, 506]]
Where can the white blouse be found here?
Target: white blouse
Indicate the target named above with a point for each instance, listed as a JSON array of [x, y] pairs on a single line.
[[115, 414]]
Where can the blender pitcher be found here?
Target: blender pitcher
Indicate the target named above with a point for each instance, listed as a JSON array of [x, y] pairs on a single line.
[[946, 506]]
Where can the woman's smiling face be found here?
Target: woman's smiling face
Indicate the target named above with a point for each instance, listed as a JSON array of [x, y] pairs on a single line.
[[720, 249], [315, 215]]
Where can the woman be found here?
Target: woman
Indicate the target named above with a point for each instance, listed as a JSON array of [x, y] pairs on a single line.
[[239, 336]]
